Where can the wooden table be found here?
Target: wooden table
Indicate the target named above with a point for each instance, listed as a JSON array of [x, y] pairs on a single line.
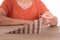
[[48, 33]]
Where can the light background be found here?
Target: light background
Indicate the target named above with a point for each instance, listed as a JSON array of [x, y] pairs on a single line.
[[53, 6]]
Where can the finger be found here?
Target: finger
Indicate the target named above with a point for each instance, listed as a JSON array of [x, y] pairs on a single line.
[[45, 21], [47, 16], [53, 22]]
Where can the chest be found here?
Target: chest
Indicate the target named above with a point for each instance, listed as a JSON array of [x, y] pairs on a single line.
[[24, 4], [25, 8], [29, 13]]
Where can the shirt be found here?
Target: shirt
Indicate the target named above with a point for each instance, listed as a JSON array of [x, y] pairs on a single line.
[[13, 10]]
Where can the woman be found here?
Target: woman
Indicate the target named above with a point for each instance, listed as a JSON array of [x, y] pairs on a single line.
[[24, 11]]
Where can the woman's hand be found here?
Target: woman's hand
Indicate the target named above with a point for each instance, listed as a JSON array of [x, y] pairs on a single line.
[[48, 18]]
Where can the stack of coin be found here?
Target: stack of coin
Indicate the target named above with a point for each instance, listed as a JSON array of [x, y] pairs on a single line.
[[40, 26], [35, 26]]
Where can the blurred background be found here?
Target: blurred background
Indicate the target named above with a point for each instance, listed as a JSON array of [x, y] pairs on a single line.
[[52, 5]]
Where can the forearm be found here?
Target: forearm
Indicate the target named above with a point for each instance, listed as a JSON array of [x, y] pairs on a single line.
[[5, 20]]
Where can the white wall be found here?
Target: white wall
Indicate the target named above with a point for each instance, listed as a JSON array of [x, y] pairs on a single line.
[[53, 6], [1, 2]]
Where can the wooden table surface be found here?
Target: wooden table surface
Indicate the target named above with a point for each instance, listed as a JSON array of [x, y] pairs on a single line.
[[48, 33]]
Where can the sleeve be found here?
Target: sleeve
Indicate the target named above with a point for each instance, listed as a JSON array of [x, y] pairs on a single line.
[[42, 8], [6, 5]]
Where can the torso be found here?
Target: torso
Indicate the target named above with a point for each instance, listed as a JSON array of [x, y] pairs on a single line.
[[30, 13]]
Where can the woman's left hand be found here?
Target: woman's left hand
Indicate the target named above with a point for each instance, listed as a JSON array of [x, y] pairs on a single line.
[[48, 18]]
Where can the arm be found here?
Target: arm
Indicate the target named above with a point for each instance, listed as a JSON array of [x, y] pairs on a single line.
[[46, 15], [6, 20]]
